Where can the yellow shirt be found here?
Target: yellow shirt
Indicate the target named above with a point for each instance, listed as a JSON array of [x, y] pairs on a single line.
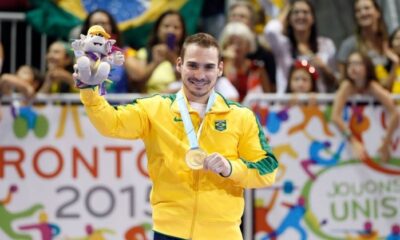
[[162, 76], [396, 84]]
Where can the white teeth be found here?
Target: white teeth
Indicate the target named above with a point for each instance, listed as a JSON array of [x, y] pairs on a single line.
[[200, 83], [197, 83]]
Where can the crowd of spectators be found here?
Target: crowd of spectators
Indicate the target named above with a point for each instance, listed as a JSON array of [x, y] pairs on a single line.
[[285, 55], [255, 61]]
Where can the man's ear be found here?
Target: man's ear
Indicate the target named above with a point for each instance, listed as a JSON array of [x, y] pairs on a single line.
[[178, 64]]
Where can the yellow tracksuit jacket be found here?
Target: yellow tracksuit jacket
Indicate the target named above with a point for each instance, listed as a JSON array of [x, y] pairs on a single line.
[[191, 204]]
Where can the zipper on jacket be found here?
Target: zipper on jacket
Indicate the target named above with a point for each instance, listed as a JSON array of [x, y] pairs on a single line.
[[196, 192]]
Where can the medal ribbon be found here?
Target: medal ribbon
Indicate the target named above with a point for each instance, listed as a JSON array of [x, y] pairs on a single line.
[[187, 121]]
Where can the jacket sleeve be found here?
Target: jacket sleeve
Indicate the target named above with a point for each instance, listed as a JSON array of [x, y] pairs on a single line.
[[257, 165], [125, 121]]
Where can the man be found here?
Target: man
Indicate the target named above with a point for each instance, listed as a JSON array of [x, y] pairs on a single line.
[[202, 150]]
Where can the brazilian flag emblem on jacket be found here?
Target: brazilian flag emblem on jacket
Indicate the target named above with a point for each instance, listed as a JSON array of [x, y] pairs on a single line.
[[220, 125]]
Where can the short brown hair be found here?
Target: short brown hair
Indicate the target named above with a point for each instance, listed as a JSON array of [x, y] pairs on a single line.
[[203, 40]]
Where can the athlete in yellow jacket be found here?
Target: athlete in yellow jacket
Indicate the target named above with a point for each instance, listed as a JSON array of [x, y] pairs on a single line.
[[198, 179]]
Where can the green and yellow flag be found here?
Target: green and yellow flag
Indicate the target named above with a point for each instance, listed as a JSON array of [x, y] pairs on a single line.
[[135, 18]]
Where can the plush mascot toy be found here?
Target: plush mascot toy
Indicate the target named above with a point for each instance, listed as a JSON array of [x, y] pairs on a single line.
[[95, 55]]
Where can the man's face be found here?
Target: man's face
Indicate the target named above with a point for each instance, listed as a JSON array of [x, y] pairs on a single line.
[[200, 69]]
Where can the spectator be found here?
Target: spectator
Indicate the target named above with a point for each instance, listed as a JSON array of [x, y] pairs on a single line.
[[157, 60], [104, 19], [27, 81], [360, 79], [243, 11], [302, 78], [248, 76], [294, 36], [58, 78], [371, 38]]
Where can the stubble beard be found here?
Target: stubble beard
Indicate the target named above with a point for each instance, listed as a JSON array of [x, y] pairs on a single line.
[[198, 94]]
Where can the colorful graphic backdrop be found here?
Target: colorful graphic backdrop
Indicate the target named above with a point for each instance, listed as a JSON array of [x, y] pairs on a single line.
[[322, 191], [60, 179], [87, 186]]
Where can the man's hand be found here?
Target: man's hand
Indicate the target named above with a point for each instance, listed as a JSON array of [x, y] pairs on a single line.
[[218, 164]]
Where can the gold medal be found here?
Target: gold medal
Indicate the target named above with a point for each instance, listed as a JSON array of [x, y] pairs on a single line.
[[195, 158]]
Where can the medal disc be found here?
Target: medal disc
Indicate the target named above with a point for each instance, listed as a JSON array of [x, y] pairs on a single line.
[[195, 158]]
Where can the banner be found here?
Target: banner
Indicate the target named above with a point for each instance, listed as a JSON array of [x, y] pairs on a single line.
[[60, 179], [322, 191]]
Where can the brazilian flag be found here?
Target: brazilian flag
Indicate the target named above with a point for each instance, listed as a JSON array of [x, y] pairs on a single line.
[[135, 18]]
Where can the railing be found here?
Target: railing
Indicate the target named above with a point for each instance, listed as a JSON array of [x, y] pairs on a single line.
[[12, 37], [272, 98]]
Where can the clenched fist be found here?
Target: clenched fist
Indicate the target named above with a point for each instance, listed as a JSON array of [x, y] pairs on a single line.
[[217, 163]]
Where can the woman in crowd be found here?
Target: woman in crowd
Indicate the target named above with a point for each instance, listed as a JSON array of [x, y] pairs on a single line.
[[247, 75], [370, 38], [157, 60], [294, 36], [58, 77], [360, 78], [243, 11], [121, 76]]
